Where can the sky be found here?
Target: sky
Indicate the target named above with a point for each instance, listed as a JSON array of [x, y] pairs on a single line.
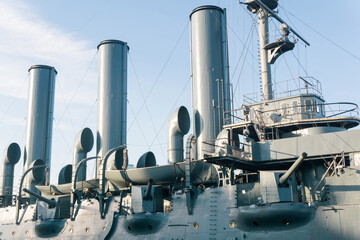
[[65, 34]]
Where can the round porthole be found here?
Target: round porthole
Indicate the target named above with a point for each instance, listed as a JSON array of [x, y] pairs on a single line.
[[87, 229], [232, 224], [195, 226]]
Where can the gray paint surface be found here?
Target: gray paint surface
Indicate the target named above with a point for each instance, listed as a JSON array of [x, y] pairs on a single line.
[[210, 87], [112, 96], [39, 119]]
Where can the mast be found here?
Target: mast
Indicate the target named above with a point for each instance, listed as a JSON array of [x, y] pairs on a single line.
[[265, 68], [270, 51]]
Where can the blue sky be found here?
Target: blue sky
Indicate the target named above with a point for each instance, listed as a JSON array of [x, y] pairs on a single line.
[[65, 34]]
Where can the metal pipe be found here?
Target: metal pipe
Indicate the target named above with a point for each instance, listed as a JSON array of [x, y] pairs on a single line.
[[146, 160], [11, 156], [147, 194], [84, 142], [35, 169], [112, 97], [52, 203], [39, 119], [65, 174], [178, 126], [226, 89], [283, 179], [208, 63]]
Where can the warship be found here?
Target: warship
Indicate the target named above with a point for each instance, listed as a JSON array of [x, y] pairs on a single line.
[[284, 166]]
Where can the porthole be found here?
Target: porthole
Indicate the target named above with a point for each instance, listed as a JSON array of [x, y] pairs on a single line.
[[195, 225], [232, 224]]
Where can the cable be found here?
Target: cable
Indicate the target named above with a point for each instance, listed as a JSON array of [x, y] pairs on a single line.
[[158, 77], [326, 38]]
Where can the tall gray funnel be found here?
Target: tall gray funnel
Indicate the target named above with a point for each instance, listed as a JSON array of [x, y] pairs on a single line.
[[112, 96], [39, 120], [210, 81]]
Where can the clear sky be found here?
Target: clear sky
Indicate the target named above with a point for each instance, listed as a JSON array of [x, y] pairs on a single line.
[[65, 34]]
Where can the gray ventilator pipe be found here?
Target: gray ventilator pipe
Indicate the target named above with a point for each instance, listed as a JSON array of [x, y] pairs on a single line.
[[83, 144], [65, 174], [283, 179], [112, 97], [178, 126], [146, 160], [39, 121], [11, 156], [210, 78]]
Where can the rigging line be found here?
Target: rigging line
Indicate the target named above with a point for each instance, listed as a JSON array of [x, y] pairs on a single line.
[[243, 50], [176, 101], [78, 87], [328, 39], [62, 95], [288, 67], [66, 142], [240, 40], [161, 72], [299, 64], [242, 67], [146, 105], [137, 123], [91, 110], [15, 97]]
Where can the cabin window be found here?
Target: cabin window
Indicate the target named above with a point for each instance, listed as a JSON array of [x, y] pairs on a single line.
[[295, 107], [322, 109], [284, 108], [316, 106], [308, 105]]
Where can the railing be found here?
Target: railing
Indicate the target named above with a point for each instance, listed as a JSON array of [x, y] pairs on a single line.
[[341, 109], [304, 111], [289, 87]]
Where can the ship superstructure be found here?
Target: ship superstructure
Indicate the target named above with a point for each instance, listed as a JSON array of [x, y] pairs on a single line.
[[285, 166]]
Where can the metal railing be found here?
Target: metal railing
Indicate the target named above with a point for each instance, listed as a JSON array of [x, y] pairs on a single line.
[[289, 87], [307, 111]]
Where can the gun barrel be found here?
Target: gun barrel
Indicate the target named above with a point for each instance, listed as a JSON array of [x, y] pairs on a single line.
[[283, 179], [147, 194], [51, 203]]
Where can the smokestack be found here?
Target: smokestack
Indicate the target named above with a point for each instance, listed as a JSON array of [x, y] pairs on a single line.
[[11, 157], [178, 126], [112, 96], [210, 81], [84, 142], [39, 120]]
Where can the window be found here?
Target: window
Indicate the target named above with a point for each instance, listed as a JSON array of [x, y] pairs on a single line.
[[295, 107], [284, 108], [317, 106], [308, 105]]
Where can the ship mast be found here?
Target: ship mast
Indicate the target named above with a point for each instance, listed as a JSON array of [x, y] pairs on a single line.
[[270, 51], [265, 68]]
